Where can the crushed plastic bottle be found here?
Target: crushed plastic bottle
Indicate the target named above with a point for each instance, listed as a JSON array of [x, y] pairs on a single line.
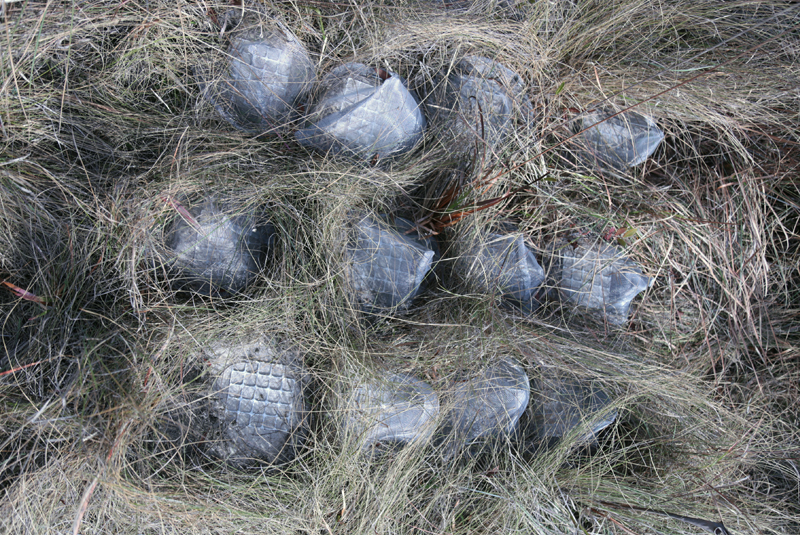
[[502, 263], [561, 405], [258, 401], [215, 250], [598, 277], [388, 413], [270, 75], [386, 267], [485, 410], [472, 109], [620, 142], [364, 115]]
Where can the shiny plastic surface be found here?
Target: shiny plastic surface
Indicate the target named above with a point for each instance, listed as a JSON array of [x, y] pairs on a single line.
[[216, 250], [360, 114], [386, 413], [620, 142], [385, 268], [598, 277], [501, 263], [270, 75], [485, 409]]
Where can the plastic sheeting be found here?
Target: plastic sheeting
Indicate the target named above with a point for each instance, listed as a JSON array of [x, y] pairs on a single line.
[[388, 413], [270, 74], [361, 114], [386, 268], [217, 251]]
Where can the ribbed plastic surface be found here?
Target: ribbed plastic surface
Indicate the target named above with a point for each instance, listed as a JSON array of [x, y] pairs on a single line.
[[387, 413], [385, 269], [261, 407], [618, 142], [485, 409], [270, 75], [216, 250], [502, 264], [360, 114], [598, 277]]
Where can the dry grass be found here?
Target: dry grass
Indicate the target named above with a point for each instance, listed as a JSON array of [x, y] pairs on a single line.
[[102, 119]]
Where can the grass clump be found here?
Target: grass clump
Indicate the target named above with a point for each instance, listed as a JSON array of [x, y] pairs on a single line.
[[101, 383]]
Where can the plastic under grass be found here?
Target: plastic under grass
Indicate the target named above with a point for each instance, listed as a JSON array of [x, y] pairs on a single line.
[[103, 122]]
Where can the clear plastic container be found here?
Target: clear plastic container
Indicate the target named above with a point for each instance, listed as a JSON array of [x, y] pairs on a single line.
[[216, 250], [564, 407], [485, 410], [387, 413], [386, 268], [361, 114], [501, 264], [258, 403], [598, 277], [620, 142], [471, 110], [270, 75]]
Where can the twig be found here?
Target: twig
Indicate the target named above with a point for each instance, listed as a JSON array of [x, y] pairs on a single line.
[[715, 528]]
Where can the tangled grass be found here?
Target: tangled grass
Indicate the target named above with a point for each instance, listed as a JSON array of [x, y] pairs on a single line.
[[102, 120]]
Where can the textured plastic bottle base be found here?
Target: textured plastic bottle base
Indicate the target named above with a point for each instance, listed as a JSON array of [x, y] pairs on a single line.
[[502, 264], [598, 277], [485, 410], [362, 115], [560, 406], [270, 75], [385, 269], [618, 142], [260, 406], [218, 252], [385, 414]]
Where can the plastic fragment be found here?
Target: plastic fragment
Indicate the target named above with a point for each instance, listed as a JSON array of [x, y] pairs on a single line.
[[502, 263], [598, 277], [385, 267], [361, 114], [270, 74], [390, 412], [485, 409], [216, 251], [258, 399], [620, 142]]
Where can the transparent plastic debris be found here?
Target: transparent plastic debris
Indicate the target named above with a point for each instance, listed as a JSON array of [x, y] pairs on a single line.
[[215, 249], [364, 115], [561, 406], [598, 277], [387, 413], [258, 401], [269, 76], [620, 142], [472, 109], [502, 264], [386, 267], [485, 410]]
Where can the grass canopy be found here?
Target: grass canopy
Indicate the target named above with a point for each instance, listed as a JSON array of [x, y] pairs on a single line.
[[109, 140]]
